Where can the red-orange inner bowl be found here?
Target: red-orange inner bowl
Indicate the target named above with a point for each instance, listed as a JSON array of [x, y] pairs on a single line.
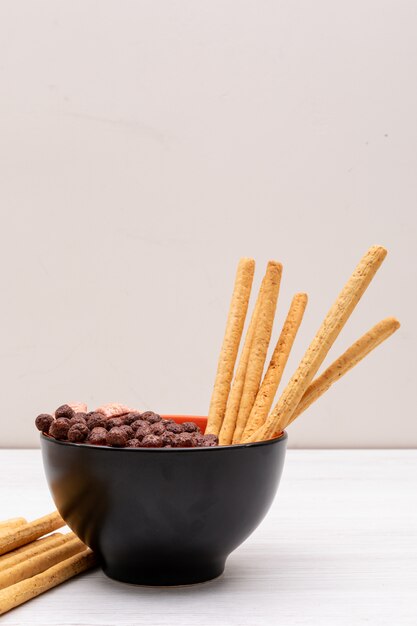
[[200, 420]]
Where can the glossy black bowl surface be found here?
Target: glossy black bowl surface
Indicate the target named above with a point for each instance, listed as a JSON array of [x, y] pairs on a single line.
[[163, 516]]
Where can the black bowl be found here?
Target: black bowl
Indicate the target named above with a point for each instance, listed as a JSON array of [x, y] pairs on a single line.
[[163, 516]]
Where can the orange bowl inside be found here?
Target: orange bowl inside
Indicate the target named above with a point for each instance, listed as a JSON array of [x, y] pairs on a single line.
[[200, 420]]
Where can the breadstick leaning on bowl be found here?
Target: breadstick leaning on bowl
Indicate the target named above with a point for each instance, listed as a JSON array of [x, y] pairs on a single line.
[[230, 346], [333, 323], [353, 355], [235, 395], [272, 378]]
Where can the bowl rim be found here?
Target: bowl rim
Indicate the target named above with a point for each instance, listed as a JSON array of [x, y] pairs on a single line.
[[238, 446]]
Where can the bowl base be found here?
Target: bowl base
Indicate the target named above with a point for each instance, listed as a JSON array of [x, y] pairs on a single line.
[[167, 578]]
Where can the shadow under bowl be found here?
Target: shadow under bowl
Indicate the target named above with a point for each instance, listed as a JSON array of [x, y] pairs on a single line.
[[163, 516]]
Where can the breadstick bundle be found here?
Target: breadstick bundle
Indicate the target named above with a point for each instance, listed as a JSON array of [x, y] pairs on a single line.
[[265, 312], [240, 409], [31, 563]]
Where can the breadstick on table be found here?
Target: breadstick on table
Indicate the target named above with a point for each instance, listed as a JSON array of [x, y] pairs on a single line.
[[233, 401], [272, 378], [31, 587], [10, 559], [33, 565], [259, 345], [230, 346], [14, 538], [11, 523], [353, 355], [333, 323]]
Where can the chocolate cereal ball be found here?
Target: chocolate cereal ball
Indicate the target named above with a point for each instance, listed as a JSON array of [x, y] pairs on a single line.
[[184, 440], [138, 423], [142, 430], [79, 418], [151, 441], [116, 437], [96, 420], [59, 428], [98, 436], [167, 439], [190, 427], [133, 443], [78, 432], [157, 428], [210, 441], [43, 422], [129, 418], [151, 417], [198, 439], [64, 411], [175, 428], [128, 430], [114, 422]]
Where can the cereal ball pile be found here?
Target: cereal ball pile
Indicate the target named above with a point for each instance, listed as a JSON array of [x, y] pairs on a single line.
[[130, 430]]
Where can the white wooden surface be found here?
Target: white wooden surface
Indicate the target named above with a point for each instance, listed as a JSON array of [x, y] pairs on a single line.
[[339, 547]]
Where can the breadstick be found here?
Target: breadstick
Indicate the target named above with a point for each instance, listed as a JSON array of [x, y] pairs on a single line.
[[31, 587], [259, 345], [276, 367], [29, 532], [333, 323], [11, 523], [346, 361], [230, 346], [233, 401], [33, 565], [10, 559]]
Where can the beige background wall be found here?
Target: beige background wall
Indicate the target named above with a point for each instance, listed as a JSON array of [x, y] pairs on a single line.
[[145, 146]]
